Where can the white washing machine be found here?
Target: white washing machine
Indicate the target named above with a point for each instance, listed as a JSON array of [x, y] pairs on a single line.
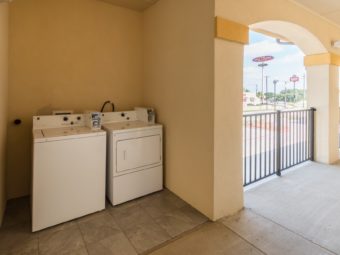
[[134, 160], [68, 179]]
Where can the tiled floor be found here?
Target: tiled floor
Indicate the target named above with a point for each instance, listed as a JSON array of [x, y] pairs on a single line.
[[297, 214], [136, 227]]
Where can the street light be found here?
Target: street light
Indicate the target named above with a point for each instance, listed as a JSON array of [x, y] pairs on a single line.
[[286, 94], [294, 79], [262, 65], [275, 82]]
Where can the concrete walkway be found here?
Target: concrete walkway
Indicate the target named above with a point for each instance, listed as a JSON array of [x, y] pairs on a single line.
[[297, 214], [305, 201]]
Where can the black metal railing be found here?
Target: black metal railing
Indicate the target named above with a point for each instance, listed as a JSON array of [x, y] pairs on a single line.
[[276, 141]]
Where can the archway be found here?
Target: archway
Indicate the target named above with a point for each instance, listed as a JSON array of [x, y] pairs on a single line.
[[305, 40], [322, 80]]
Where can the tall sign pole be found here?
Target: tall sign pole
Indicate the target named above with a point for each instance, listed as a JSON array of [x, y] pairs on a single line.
[[262, 64], [304, 90], [286, 94], [267, 91], [275, 83], [294, 79]]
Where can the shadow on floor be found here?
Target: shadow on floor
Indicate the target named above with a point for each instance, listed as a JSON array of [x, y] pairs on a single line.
[[135, 227], [296, 214]]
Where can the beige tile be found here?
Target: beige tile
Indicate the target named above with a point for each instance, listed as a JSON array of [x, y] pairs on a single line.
[[146, 236], [211, 239], [81, 251], [270, 237], [67, 241], [121, 209], [130, 215], [117, 244], [18, 239], [180, 220], [152, 196], [23, 251], [162, 203], [98, 226], [57, 228]]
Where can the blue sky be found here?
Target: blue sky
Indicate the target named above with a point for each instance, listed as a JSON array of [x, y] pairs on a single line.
[[288, 60]]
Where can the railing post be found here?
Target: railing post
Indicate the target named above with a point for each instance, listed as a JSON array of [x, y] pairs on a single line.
[[278, 143], [311, 133]]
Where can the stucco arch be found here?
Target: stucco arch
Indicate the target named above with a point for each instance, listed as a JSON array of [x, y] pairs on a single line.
[[300, 36], [322, 80]]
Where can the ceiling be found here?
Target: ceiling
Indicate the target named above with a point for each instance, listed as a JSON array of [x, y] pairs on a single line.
[[138, 5], [329, 9]]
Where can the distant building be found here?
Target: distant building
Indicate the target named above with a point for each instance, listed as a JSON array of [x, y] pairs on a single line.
[[250, 98]]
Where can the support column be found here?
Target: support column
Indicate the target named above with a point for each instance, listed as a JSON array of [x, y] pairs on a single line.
[[228, 110], [323, 94]]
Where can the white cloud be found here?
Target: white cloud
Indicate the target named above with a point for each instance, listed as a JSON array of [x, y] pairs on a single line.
[[296, 58], [252, 76], [266, 47]]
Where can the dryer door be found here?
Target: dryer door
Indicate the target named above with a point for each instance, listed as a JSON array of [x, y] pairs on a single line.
[[138, 152]]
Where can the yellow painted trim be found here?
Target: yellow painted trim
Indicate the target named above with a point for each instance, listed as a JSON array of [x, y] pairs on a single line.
[[322, 59], [231, 31], [335, 59]]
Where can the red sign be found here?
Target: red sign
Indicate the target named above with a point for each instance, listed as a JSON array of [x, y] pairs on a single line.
[[263, 59], [294, 78]]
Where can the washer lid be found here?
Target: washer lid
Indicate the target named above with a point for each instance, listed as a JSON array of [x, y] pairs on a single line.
[[54, 134]]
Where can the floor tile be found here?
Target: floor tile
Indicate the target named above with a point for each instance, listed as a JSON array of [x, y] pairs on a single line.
[[18, 239], [117, 244], [67, 241], [146, 236], [81, 251], [152, 196], [270, 237], [53, 229], [162, 203], [180, 220], [130, 215], [98, 226], [211, 239]]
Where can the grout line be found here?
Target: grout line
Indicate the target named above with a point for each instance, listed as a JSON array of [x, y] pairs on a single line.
[[38, 244], [82, 237], [175, 238], [291, 231], [139, 205], [122, 230], [244, 239]]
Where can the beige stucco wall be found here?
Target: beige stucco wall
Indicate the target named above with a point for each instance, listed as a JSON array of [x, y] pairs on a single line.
[[172, 87], [228, 183], [178, 82], [326, 101], [248, 12], [67, 54], [3, 100]]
